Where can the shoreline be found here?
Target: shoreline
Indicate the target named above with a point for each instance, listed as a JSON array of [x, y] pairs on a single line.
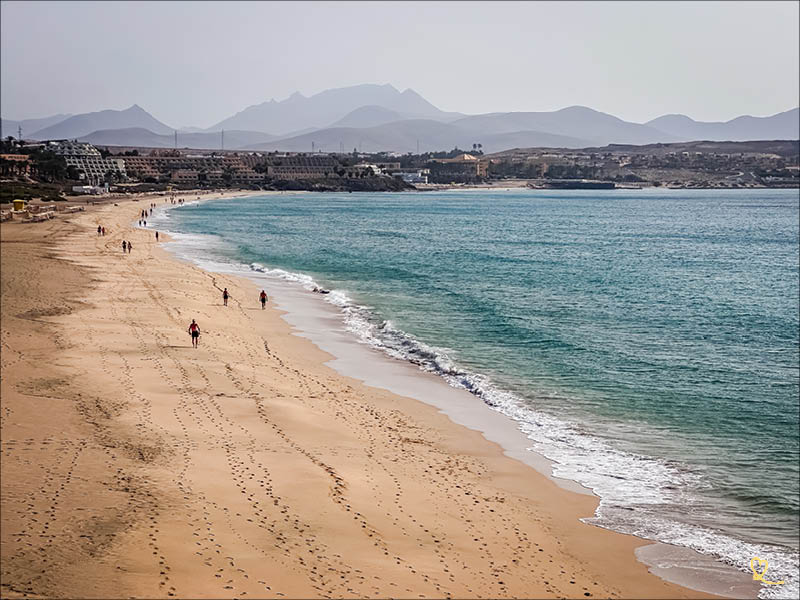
[[242, 412], [323, 324]]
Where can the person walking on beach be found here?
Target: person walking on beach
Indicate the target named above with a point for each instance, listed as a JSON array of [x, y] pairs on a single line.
[[194, 331], [130, 247], [104, 230], [99, 230], [124, 246], [225, 297], [263, 298], [156, 236]]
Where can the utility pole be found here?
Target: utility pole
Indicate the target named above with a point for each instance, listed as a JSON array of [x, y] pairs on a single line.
[[222, 139], [176, 139], [19, 130], [417, 146], [312, 147]]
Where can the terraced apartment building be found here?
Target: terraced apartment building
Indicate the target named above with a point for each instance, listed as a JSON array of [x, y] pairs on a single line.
[[88, 161]]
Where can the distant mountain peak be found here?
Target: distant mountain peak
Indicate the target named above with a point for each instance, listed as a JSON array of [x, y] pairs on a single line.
[[135, 109], [784, 125], [576, 107], [580, 109], [299, 112], [87, 123]]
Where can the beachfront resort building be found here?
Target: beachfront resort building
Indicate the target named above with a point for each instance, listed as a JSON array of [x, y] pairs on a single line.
[[463, 168], [240, 168], [96, 168], [172, 166], [15, 165], [301, 167], [71, 148], [87, 161]]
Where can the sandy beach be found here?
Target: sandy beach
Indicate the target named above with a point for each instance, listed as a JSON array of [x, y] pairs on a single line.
[[136, 466]]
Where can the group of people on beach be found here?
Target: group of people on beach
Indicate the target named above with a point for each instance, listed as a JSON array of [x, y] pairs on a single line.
[[145, 213], [126, 247], [194, 328], [101, 230]]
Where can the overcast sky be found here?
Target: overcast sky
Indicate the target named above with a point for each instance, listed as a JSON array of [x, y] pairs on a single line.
[[196, 63]]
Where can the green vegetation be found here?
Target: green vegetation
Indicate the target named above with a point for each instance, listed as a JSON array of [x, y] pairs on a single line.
[[48, 192], [45, 166]]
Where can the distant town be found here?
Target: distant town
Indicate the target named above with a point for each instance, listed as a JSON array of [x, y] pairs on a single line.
[[59, 168]]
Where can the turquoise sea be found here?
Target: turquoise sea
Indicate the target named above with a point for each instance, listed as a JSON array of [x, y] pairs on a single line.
[[645, 340]]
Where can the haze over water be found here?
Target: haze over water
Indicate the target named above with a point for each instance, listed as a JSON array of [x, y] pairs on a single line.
[[645, 340]]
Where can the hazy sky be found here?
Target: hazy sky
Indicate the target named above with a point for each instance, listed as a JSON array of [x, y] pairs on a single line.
[[196, 63]]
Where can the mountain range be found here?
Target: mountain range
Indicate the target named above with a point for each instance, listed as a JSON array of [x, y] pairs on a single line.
[[381, 118], [321, 110]]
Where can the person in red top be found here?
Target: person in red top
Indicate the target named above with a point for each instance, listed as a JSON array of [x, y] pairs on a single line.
[[225, 297], [263, 298], [194, 331]]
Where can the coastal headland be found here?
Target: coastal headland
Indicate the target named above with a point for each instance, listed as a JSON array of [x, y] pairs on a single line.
[[136, 466]]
